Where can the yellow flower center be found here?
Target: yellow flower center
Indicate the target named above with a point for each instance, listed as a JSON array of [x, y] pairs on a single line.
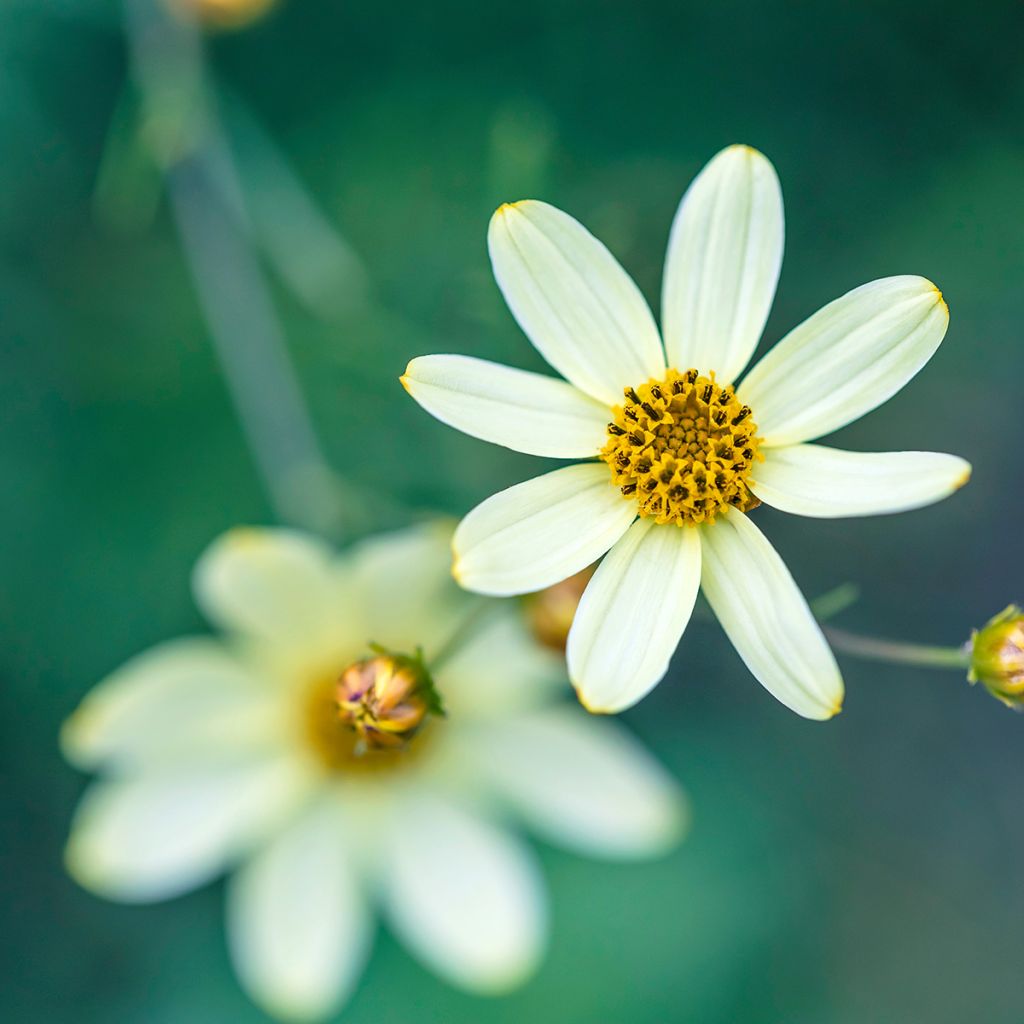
[[367, 719], [684, 448]]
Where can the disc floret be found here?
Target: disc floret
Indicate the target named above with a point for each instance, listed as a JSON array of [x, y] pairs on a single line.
[[684, 447]]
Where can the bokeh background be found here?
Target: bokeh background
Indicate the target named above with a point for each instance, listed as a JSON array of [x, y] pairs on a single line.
[[862, 870]]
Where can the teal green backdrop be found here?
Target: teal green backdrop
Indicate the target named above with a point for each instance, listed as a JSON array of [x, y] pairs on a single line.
[[860, 870]]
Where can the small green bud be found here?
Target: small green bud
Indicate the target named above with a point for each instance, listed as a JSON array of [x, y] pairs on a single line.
[[997, 656]]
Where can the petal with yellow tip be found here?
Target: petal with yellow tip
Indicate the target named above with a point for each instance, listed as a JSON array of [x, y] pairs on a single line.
[[632, 615], [766, 617], [812, 480], [541, 531], [723, 263], [580, 309], [845, 360], [278, 585], [526, 412]]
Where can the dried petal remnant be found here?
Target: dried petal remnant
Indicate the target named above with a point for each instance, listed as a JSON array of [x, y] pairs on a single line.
[[684, 448]]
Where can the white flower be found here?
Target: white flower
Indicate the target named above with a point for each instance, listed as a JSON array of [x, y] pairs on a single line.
[[683, 447], [239, 755]]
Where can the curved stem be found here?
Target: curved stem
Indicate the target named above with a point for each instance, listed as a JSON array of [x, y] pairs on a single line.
[[199, 172], [480, 608], [873, 649], [834, 601]]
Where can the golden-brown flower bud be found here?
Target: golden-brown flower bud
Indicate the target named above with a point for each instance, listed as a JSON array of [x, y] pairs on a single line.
[[386, 699], [550, 611], [223, 14], [997, 656]]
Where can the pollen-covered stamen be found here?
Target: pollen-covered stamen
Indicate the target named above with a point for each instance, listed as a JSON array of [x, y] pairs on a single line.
[[684, 447]]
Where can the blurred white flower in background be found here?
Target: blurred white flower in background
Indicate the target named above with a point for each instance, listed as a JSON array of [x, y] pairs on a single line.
[[689, 453], [303, 754]]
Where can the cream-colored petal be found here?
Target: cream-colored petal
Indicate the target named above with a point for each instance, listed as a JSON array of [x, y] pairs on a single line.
[[724, 257], [580, 309], [275, 585], [584, 782], [298, 927], [179, 698], [464, 896], [526, 412], [845, 360], [767, 619], [540, 532], [165, 832], [406, 597], [499, 668], [811, 480], [632, 615]]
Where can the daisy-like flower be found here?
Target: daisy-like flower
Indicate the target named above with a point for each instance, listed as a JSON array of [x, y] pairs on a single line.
[[356, 741], [682, 453]]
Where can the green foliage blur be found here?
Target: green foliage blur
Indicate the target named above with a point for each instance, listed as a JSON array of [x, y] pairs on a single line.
[[860, 870]]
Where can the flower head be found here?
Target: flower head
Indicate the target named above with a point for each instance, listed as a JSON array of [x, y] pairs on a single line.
[[997, 656], [223, 14], [308, 752], [680, 451]]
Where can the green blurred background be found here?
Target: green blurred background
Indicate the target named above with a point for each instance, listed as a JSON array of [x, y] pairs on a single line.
[[862, 870]]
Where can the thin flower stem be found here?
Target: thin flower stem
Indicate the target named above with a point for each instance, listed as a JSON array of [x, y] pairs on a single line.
[[470, 623], [181, 125], [830, 604], [873, 649]]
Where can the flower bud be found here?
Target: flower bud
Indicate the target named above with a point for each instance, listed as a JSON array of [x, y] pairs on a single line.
[[550, 612], [997, 656], [385, 700], [224, 14]]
